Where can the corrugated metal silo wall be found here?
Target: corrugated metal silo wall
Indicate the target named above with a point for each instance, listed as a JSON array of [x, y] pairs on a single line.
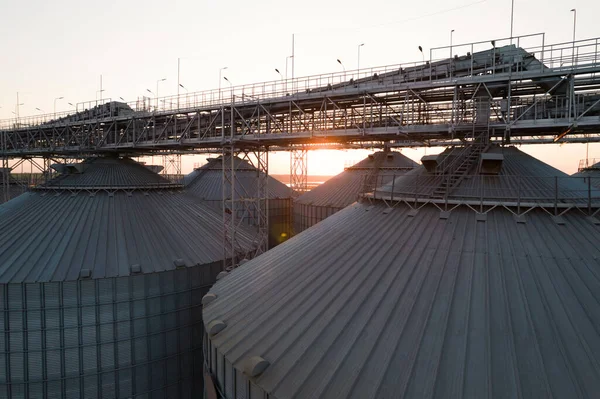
[[13, 191], [306, 216], [137, 336], [280, 218]]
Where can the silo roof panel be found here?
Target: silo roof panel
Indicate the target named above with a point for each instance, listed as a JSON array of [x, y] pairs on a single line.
[[593, 172], [206, 182], [48, 236], [387, 304], [344, 188], [107, 172], [521, 177]]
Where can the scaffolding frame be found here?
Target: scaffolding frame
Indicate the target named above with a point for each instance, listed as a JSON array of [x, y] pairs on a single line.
[[298, 171]]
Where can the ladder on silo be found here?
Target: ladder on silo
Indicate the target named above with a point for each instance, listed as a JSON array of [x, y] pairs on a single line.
[[459, 167]]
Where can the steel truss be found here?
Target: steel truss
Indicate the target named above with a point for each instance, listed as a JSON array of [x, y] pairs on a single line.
[[242, 207], [418, 113], [516, 94], [171, 164], [298, 171]]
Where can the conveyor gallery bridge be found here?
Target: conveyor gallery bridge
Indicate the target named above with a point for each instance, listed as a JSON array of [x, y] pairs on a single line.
[[539, 92], [508, 90]]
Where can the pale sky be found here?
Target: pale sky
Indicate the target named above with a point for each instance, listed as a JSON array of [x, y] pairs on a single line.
[[60, 48]]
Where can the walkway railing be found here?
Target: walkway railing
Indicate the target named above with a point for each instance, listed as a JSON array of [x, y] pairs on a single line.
[[493, 190], [552, 58]]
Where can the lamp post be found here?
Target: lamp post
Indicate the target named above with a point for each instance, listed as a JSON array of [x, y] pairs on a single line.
[[157, 82], [220, 71], [343, 67], [99, 91], [358, 60], [574, 11], [422, 55], [17, 105], [290, 57], [230, 88], [451, 33], [57, 98], [512, 16], [281, 76], [149, 91]]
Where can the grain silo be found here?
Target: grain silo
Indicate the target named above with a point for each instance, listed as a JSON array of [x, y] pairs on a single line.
[[488, 290], [16, 187], [343, 189], [591, 173], [101, 275], [206, 183]]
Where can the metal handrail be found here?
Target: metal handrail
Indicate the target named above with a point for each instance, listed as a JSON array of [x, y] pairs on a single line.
[[555, 191], [570, 54]]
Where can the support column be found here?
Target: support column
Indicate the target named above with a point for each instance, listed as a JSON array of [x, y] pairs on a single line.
[[298, 171], [244, 205], [229, 211], [5, 180], [5, 169], [258, 206], [171, 164]]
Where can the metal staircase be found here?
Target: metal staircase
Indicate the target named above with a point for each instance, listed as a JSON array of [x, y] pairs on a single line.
[[459, 166], [370, 180]]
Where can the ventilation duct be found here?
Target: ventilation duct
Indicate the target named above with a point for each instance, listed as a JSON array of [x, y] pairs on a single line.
[[430, 162], [491, 164]]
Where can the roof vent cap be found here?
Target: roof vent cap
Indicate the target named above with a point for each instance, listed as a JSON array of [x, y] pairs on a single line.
[[179, 263], [254, 366], [136, 268], [85, 273], [215, 327], [430, 162], [491, 163], [208, 298]]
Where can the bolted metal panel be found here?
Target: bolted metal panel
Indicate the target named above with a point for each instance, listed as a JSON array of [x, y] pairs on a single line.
[[114, 337]]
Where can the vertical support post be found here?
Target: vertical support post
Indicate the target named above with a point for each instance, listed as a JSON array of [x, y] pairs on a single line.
[[555, 195], [589, 196], [519, 196], [171, 164], [480, 193], [261, 202], [393, 186], [5, 170], [229, 211], [298, 171], [571, 96], [228, 191]]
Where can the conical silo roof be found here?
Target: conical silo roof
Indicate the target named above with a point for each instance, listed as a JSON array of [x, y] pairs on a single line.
[[105, 215], [344, 188], [420, 300], [502, 173], [592, 172], [102, 271], [206, 182]]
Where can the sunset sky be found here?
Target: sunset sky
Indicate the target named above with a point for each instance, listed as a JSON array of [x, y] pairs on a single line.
[[60, 48]]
